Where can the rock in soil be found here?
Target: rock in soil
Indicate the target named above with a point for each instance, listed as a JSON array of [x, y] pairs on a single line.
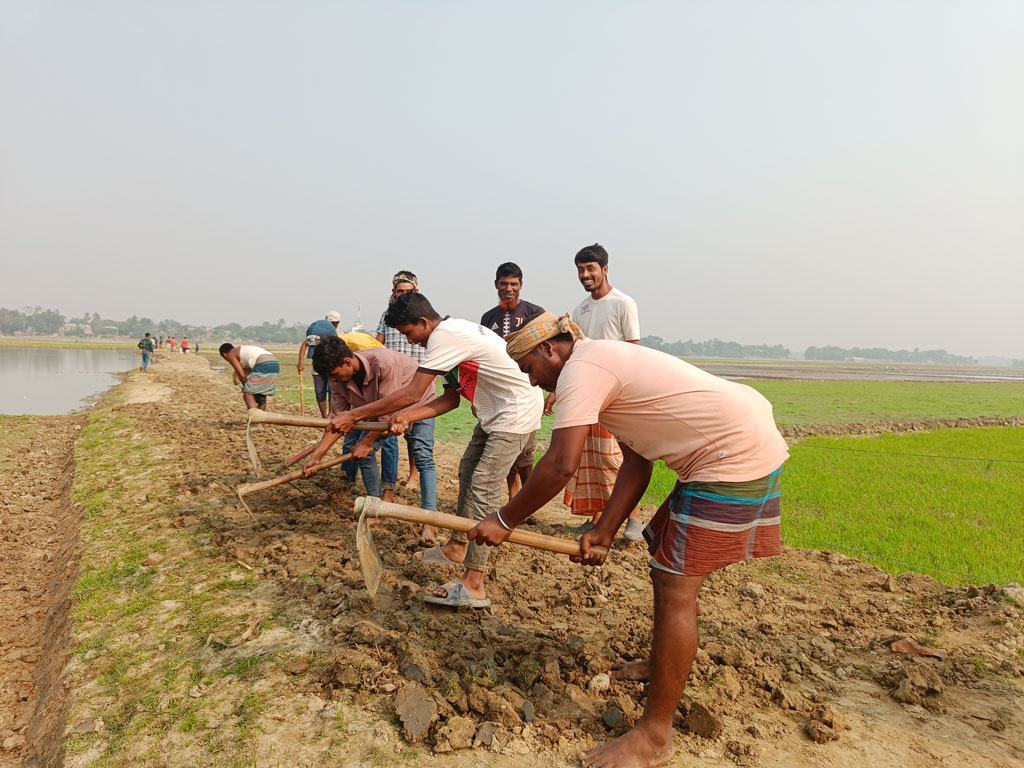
[[416, 709], [703, 722], [823, 725], [457, 733]]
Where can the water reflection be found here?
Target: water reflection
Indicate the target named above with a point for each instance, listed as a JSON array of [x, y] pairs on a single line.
[[47, 382]]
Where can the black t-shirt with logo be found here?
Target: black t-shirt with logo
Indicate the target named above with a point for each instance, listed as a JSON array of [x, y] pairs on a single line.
[[503, 322]]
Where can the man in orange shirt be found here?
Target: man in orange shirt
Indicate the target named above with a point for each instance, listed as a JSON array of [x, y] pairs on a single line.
[[720, 439]]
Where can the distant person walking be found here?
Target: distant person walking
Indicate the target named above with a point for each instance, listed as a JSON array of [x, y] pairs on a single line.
[[147, 347], [256, 369], [173, 342], [606, 313], [184, 344], [316, 332]]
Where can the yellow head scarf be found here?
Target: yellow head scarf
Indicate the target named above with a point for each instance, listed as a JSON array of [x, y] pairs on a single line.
[[541, 328]]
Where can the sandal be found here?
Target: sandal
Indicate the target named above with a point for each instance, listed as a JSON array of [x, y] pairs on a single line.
[[434, 556], [457, 597]]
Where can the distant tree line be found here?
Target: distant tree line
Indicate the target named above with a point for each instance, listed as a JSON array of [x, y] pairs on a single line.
[[878, 354], [715, 348], [36, 321]]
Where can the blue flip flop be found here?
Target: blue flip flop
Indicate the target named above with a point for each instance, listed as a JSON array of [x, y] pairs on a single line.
[[457, 597], [434, 556]]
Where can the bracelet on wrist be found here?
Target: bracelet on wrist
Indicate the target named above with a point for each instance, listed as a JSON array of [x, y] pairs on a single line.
[[501, 522]]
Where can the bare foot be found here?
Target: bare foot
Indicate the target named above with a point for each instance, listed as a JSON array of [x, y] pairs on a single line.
[[389, 496], [413, 483], [633, 670], [636, 749], [428, 536]]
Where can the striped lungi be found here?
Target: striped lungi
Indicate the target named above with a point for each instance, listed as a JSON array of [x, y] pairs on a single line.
[[706, 526], [262, 379], [591, 487]]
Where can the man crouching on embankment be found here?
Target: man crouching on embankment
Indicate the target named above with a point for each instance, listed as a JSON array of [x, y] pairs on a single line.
[[721, 440]]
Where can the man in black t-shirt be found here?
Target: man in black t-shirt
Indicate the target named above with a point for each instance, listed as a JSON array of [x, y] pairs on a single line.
[[512, 313]]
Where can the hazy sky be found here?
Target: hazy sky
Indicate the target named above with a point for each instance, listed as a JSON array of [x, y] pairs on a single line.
[[766, 172]]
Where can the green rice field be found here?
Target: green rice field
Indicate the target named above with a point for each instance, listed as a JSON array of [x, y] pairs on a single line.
[[798, 403], [948, 503]]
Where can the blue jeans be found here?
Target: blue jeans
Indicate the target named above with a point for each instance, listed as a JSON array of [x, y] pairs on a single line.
[[389, 461], [321, 387], [421, 442], [366, 466], [145, 359]]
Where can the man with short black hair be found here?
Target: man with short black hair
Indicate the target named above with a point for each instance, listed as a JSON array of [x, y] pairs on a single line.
[[508, 409], [511, 312], [606, 313], [367, 376], [509, 317]]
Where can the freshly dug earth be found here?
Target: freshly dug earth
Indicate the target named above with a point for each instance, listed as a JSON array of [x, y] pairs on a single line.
[[222, 640]]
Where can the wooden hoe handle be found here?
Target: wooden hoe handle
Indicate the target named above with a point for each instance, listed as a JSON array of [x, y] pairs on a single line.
[[256, 416], [242, 490], [372, 506]]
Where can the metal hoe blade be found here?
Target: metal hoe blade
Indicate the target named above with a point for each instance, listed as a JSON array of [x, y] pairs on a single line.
[[240, 493], [369, 559], [251, 448]]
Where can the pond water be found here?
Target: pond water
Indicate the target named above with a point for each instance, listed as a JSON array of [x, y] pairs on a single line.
[[47, 382]]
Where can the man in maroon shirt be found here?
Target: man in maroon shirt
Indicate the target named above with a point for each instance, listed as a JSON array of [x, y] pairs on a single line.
[[366, 376]]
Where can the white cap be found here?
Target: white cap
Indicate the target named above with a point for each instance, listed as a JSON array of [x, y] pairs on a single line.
[[334, 317]]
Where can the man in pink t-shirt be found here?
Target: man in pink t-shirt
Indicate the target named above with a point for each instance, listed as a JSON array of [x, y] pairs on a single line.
[[720, 439]]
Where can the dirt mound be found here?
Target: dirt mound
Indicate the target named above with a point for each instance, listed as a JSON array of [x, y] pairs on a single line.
[[880, 427], [796, 666]]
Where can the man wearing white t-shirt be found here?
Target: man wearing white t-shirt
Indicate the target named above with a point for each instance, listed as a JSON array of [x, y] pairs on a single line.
[[508, 408], [606, 313]]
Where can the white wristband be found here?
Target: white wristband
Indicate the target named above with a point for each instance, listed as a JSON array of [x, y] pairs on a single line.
[[501, 522]]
